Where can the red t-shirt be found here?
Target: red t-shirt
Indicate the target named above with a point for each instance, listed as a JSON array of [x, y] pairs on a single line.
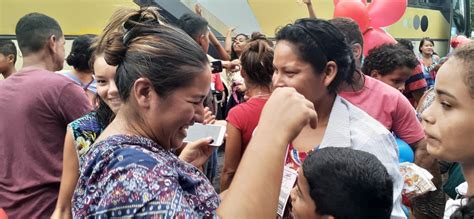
[[245, 118], [35, 107], [218, 85]]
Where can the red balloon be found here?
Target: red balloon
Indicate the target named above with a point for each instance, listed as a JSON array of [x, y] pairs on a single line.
[[337, 1], [384, 13], [355, 10], [376, 37]]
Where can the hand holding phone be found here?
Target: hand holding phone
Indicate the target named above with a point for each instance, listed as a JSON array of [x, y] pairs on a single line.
[[216, 66], [199, 131]]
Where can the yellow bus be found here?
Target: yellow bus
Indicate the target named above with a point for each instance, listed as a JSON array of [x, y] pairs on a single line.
[[437, 19]]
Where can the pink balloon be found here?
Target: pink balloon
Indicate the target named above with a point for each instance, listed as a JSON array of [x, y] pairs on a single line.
[[376, 37], [384, 13], [355, 10], [337, 1]]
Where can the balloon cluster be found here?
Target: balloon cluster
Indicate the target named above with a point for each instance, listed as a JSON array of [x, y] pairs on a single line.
[[371, 17]]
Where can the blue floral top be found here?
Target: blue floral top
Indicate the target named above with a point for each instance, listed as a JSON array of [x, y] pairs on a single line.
[[132, 176], [85, 130]]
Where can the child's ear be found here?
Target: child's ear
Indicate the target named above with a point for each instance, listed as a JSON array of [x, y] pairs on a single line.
[[375, 74], [11, 58]]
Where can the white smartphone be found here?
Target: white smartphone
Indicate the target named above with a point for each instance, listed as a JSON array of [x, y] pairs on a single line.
[[198, 131]]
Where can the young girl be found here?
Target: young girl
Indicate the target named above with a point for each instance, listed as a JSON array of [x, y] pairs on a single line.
[[448, 122], [82, 133]]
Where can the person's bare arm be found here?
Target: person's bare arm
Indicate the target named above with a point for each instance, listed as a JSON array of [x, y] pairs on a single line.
[[220, 49], [223, 55], [69, 178], [264, 157], [228, 40], [311, 12], [233, 154]]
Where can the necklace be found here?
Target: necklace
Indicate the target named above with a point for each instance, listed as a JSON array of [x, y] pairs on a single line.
[[261, 95]]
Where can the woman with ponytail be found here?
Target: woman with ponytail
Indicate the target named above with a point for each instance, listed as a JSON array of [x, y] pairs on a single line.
[[162, 77], [81, 73], [257, 70]]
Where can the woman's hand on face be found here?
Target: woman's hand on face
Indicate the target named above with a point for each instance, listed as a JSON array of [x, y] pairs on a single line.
[[197, 152], [287, 112]]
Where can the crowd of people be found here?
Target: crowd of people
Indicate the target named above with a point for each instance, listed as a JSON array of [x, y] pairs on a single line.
[[311, 124]]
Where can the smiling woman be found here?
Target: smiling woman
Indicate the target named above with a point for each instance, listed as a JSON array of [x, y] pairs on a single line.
[[162, 77]]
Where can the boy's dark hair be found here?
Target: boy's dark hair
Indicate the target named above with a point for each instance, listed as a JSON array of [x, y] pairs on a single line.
[[387, 58], [81, 52], [193, 25], [347, 183], [350, 29], [318, 42], [406, 43], [7, 47], [33, 31]]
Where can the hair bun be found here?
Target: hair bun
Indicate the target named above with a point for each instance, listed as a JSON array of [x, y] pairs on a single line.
[[257, 36], [119, 33]]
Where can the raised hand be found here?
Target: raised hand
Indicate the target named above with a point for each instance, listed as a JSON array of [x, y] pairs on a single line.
[[198, 9], [286, 113]]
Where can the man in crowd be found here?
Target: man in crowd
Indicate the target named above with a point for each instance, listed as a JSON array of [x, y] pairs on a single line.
[[35, 107], [7, 58]]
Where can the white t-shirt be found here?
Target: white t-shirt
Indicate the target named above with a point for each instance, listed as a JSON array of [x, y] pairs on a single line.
[[453, 205]]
